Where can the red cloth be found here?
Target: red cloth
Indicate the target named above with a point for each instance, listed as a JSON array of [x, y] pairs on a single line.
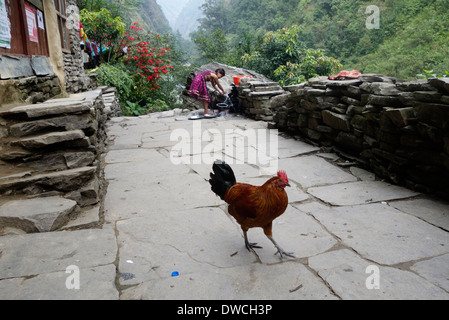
[[343, 75]]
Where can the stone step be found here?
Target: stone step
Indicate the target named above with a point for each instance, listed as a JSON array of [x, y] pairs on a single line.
[[10, 153], [41, 214], [52, 108], [266, 93], [69, 122], [44, 140], [38, 183], [265, 88]]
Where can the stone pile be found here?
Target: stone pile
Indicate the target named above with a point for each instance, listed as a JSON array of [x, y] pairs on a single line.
[[400, 130], [31, 89], [52, 150], [76, 79], [261, 99]]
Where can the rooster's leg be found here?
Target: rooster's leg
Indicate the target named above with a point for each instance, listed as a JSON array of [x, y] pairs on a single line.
[[248, 244], [280, 250]]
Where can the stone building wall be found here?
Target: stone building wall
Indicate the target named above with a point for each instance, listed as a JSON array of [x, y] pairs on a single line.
[[30, 90], [76, 79], [399, 130]]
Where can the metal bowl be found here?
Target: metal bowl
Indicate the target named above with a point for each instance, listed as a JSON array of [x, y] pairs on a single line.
[[223, 106]]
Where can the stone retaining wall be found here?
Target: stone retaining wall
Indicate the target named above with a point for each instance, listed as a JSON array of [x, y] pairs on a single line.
[[29, 89], [399, 130], [54, 148]]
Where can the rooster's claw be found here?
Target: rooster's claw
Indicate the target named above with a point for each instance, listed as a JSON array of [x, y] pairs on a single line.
[[251, 246], [282, 252]]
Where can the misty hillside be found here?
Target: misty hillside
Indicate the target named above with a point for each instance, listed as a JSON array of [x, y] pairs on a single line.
[[182, 15], [172, 9], [151, 17]]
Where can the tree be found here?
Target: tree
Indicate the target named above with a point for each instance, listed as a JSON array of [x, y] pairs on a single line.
[[102, 28], [212, 46], [284, 58], [216, 16], [115, 7], [146, 55]]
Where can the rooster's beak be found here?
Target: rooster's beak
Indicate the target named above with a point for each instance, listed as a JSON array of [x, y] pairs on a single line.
[[288, 185]]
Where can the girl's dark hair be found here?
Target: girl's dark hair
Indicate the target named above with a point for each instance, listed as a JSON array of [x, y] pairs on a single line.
[[221, 70]]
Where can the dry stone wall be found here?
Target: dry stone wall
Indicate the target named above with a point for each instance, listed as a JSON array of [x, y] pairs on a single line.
[[399, 130], [30, 90], [54, 148], [76, 79]]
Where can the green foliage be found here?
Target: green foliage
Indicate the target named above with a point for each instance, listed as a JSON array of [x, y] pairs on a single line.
[[133, 109], [101, 27], [212, 46], [146, 56], [430, 74], [117, 8], [147, 74], [413, 34], [116, 75], [284, 58], [313, 64]]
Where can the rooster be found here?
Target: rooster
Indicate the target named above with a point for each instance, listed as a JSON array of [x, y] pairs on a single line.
[[251, 206]]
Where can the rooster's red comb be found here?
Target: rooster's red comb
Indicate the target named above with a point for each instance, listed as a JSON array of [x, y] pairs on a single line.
[[283, 175]]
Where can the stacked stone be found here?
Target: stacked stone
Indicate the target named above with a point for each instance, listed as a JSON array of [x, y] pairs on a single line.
[[111, 103], [400, 130], [76, 79], [54, 148], [30, 89], [260, 99]]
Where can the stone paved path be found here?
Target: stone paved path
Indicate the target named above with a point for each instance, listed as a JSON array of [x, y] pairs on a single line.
[[354, 237]]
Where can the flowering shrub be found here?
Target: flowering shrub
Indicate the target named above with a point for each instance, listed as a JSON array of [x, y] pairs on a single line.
[[146, 56]]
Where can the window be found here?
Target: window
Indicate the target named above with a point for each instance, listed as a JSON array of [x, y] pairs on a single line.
[[27, 28], [62, 24]]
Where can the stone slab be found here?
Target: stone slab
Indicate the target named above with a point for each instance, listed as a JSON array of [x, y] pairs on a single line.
[[49, 139], [362, 174], [282, 281], [45, 109], [41, 66], [433, 211], [71, 122], [161, 184], [309, 171], [38, 253], [434, 270], [15, 67], [64, 180], [86, 218], [346, 273], [288, 148], [381, 233], [360, 192], [38, 214], [96, 283]]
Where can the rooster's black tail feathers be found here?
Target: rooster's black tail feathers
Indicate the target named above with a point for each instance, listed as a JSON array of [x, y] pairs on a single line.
[[222, 179]]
